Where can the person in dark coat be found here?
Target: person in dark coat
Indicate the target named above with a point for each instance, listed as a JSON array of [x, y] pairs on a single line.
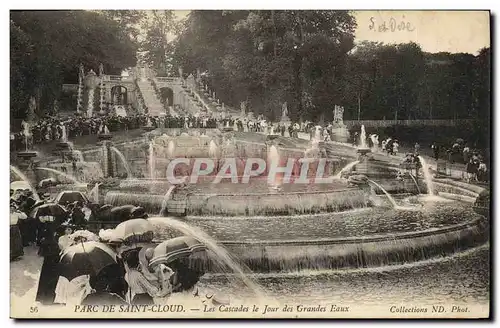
[[49, 274], [16, 243], [471, 169], [77, 215], [435, 150]]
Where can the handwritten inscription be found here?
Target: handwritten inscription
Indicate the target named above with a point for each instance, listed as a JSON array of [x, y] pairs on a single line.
[[392, 25]]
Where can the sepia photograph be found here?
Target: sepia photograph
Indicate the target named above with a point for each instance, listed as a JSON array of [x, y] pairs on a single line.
[[259, 164]]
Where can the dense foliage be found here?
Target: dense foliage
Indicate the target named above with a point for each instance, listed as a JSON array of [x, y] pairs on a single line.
[[270, 57], [309, 60], [46, 48]]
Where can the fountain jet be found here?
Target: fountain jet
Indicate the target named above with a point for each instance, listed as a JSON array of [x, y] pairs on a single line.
[[94, 193], [124, 161], [164, 203], [362, 138], [171, 149], [221, 255], [273, 158], [416, 184], [212, 149], [391, 199], [427, 176], [346, 168], [65, 175], [151, 160], [25, 179]]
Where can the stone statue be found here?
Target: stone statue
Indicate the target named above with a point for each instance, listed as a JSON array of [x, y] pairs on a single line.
[[341, 115], [55, 108], [284, 110], [191, 80], [338, 115], [243, 108], [31, 109], [81, 71]]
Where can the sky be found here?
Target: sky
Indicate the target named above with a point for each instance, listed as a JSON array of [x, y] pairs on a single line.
[[434, 31]]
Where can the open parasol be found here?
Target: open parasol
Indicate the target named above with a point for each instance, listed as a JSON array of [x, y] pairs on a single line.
[[134, 231], [176, 248], [20, 185], [87, 258], [49, 210], [71, 196]]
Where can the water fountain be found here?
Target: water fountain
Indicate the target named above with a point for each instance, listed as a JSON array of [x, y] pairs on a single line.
[[104, 133], [67, 176], [151, 160], [363, 149], [149, 125], [25, 179], [316, 139], [362, 137], [27, 154], [345, 169], [427, 176], [94, 194], [273, 159], [221, 255], [124, 161], [171, 149], [416, 183], [166, 198], [213, 149], [308, 226], [389, 197], [64, 134]]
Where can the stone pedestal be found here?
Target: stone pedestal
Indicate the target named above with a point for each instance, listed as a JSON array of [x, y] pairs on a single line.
[[340, 134], [285, 120]]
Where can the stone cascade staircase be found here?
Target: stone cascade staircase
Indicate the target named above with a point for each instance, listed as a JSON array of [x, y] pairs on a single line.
[[211, 103], [200, 101], [154, 105], [190, 105], [183, 99]]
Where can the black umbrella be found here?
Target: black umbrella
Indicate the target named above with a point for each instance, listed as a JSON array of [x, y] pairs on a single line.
[[67, 197], [50, 209], [88, 258]]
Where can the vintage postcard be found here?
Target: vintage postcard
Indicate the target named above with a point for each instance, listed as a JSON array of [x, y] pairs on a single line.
[[250, 164]]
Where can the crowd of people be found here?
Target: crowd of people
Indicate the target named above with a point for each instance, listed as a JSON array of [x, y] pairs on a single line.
[[475, 168], [53, 128], [129, 281]]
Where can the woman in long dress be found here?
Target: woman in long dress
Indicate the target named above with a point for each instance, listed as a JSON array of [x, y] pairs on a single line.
[[16, 243], [49, 274]]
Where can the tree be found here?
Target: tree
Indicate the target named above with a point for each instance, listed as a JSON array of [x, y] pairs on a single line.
[[156, 45], [128, 20], [58, 41], [265, 57]]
